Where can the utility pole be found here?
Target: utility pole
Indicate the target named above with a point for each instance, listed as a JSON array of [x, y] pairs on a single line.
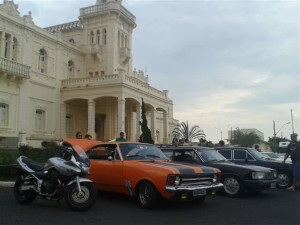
[[292, 120], [274, 136]]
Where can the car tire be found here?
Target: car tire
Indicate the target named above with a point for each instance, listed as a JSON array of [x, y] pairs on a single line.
[[284, 180], [147, 195], [233, 186]]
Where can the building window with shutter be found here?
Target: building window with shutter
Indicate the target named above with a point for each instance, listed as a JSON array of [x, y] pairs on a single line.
[[42, 61], [39, 119]]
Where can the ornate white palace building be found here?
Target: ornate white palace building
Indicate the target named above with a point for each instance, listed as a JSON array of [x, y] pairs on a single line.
[[76, 76]]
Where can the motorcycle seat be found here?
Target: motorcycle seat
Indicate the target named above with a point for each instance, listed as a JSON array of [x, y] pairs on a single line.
[[32, 164]]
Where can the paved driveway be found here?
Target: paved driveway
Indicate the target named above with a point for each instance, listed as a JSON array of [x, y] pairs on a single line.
[[272, 207]]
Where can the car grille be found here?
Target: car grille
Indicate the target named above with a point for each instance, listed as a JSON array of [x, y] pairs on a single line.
[[270, 176], [192, 181]]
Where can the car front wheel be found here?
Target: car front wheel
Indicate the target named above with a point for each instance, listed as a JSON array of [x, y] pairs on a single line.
[[233, 186], [147, 195], [284, 180]]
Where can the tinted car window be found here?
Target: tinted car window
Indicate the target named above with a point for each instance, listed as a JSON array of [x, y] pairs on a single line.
[[168, 153], [239, 154], [226, 153]]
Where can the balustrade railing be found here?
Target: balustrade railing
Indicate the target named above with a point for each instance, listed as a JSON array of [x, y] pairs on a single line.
[[113, 79], [107, 6], [14, 68]]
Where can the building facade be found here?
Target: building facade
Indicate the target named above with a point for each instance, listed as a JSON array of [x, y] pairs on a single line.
[[76, 76]]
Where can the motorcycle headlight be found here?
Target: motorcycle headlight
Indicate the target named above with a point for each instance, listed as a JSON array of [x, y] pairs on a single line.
[[84, 168], [258, 175]]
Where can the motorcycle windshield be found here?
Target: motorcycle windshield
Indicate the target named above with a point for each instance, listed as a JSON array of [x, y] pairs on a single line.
[[80, 155]]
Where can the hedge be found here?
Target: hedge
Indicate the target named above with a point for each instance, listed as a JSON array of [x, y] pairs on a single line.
[[8, 158]]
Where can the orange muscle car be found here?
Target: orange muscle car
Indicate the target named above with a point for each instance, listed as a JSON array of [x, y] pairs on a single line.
[[142, 170]]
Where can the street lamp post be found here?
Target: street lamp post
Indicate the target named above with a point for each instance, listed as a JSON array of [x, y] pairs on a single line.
[[275, 133], [220, 131]]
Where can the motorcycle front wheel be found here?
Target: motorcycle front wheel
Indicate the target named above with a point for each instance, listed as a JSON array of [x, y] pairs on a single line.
[[80, 201], [23, 197]]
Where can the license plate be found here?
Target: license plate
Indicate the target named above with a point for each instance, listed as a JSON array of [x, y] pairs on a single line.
[[199, 192], [273, 185]]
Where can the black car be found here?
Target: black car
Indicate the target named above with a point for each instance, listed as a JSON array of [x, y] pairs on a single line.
[[236, 178], [242, 155]]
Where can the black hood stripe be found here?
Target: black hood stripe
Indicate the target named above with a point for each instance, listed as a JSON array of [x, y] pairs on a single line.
[[208, 170], [182, 169]]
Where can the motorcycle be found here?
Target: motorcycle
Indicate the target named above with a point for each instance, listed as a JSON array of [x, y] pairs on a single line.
[[59, 178]]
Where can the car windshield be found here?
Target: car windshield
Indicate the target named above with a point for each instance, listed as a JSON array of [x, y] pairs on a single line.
[[271, 154], [211, 155], [257, 154], [141, 151]]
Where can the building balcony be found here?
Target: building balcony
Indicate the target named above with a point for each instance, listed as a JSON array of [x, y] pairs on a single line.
[[125, 54], [14, 68], [96, 50], [113, 80], [108, 7]]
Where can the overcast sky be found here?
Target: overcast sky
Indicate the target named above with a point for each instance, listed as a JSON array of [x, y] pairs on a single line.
[[226, 63]]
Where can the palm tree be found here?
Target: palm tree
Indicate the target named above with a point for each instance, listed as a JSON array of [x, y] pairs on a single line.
[[245, 139], [184, 132]]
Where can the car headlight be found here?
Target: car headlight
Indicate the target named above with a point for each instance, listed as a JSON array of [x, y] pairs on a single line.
[[174, 180], [215, 179], [258, 175]]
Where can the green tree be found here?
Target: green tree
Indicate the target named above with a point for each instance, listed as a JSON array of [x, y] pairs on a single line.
[[187, 133], [146, 133], [245, 139], [204, 143]]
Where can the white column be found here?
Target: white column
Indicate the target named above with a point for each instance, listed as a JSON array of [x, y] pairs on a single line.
[[63, 113], [153, 124], [166, 128], [91, 118], [121, 115], [138, 119], [108, 134], [133, 126], [23, 123]]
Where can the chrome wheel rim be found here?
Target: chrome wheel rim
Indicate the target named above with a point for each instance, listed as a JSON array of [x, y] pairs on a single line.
[[283, 180], [144, 195], [81, 197], [231, 186]]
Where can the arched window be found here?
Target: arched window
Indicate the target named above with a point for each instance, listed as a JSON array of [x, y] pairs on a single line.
[[126, 41], [92, 37], [14, 50], [3, 115], [6, 46], [39, 119], [122, 40], [69, 121], [72, 41], [70, 69], [104, 37], [98, 37], [42, 61]]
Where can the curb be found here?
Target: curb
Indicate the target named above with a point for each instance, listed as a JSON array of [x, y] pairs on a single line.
[[7, 184]]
